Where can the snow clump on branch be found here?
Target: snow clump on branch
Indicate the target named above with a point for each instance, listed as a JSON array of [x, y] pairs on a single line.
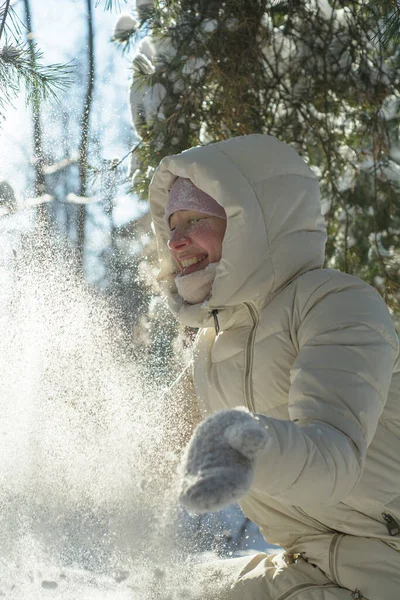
[[146, 47], [142, 64], [125, 26]]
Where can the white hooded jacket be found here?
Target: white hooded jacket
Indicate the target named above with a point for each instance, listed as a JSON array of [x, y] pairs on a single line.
[[311, 349]]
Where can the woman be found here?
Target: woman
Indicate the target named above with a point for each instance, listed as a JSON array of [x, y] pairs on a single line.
[[308, 351]]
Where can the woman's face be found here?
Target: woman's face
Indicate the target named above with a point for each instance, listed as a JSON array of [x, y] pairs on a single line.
[[195, 240]]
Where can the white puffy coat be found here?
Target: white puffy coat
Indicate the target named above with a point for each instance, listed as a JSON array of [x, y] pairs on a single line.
[[311, 349]]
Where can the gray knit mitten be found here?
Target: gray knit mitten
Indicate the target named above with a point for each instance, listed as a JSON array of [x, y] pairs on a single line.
[[217, 466]]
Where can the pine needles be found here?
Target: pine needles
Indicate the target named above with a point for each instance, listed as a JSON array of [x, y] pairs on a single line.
[[10, 23], [21, 65], [390, 29], [111, 4], [41, 81]]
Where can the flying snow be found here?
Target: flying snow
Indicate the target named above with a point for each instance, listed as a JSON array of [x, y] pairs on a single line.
[[88, 506]]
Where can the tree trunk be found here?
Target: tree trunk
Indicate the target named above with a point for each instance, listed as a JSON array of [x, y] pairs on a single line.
[[39, 183], [84, 141]]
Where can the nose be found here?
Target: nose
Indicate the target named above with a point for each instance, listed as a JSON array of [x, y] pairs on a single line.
[[178, 240]]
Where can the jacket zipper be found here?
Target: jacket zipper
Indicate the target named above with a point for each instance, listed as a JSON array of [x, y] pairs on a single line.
[[333, 548], [303, 587], [392, 525], [216, 322], [301, 513], [248, 379]]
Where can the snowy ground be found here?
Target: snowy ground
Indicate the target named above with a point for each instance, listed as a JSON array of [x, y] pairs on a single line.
[[74, 584], [66, 584]]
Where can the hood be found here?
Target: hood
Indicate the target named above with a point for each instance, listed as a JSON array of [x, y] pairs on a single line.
[[275, 230]]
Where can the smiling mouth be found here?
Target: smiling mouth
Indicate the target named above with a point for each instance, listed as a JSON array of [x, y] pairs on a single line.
[[193, 264]]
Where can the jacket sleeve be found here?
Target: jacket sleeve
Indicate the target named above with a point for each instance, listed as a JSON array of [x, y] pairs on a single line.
[[340, 379]]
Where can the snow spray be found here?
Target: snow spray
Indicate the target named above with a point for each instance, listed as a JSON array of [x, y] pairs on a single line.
[[88, 507]]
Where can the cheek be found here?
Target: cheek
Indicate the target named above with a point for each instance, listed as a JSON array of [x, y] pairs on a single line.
[[208, 236], [203, 231]]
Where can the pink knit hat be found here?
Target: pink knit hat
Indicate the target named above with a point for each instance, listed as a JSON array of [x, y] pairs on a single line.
[[184, 195]]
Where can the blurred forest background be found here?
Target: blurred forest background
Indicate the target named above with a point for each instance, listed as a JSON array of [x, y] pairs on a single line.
[[137, 81]]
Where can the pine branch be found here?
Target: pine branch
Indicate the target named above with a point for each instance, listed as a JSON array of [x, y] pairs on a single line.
[[12, 23], [390, 11], [60, 165], [3, 16], [390, 30], [125, 31], [109, 166], [41, 81], [20, 64], [111, 4]]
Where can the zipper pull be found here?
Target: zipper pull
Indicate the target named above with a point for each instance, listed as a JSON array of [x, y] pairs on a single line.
[[392, 525], [357, 595], [216, 324]]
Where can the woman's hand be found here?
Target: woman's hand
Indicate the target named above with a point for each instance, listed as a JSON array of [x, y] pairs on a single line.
[[217, 467]]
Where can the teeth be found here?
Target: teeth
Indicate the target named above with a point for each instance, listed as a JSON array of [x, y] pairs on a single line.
[[191, 261]]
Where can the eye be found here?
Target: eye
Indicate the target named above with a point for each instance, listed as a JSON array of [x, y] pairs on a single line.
[[195, 220]]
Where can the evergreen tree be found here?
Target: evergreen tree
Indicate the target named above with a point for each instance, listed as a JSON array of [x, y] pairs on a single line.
[[21, 64], [312, 73]]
